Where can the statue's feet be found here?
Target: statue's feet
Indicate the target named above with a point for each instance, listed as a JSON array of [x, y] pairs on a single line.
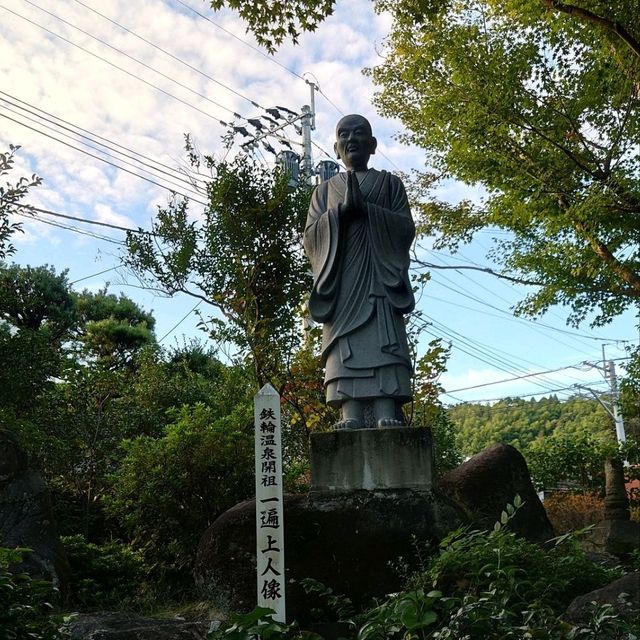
[[348, 424], [385, 423]]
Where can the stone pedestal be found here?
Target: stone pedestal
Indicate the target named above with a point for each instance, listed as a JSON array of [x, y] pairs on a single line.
[[372, 459], [616, 537]]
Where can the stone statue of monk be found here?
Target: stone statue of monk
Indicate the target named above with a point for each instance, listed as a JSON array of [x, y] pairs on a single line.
[[358, 235]]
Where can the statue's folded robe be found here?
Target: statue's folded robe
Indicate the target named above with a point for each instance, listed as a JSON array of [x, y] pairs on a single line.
[[362, 288]]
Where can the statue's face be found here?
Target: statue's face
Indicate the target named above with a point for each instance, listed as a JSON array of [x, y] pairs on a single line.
[[354, 142]]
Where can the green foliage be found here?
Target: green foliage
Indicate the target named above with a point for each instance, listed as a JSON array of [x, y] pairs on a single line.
[[564, 456], [259, 624], [427, 410], [278, 20], [519, 422], [112, 329], [491, 585], [36, 315], [540, 107], [168, 490], [561, 440], [245, 259], [107, 576], [475, 561], [10, 196], [25, 603]]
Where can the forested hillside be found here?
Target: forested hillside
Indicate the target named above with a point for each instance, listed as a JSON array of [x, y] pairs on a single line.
[[520, 422], [562, 440]]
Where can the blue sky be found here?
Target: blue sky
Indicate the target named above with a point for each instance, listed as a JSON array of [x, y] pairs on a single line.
[[166, 71]]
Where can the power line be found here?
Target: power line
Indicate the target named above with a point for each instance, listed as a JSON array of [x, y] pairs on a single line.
[[175, 326], [127, 55], [87, 221], [171, 55], [129, 73], [575, 334], [522, 377], [169, 184], [478, 354], [233, 35], [94, 137], [463, 292], [93, 275], [522, 395], [158, 184], [69, 228]]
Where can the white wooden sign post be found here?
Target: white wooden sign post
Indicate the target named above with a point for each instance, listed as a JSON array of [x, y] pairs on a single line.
[[269, 520]]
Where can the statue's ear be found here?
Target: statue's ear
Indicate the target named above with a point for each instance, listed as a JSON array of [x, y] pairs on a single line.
[[374, 145], [335, 150]]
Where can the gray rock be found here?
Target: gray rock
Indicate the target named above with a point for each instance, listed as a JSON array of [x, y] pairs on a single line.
[[124, 626], [26, 516], [623, 594], [491, 479], [349, 542]]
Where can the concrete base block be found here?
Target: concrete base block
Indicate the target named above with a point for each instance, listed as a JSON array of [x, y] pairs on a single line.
[[371, 459]]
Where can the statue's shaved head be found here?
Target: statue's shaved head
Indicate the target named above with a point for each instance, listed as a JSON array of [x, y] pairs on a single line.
[[352, 119]]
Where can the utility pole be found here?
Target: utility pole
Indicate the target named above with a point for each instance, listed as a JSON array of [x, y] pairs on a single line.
[[609, 369], [307, 162]]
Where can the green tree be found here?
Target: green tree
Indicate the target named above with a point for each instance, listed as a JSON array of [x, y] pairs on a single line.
[[111, 329], [427, 410], [10, 196], [168, 490], [543, 111], [36, 316], [245, 259]]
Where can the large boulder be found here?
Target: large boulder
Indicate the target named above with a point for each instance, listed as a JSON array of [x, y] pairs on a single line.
[[26, 516], [351, 542], [622, 594], [488, 481], [124, 626]]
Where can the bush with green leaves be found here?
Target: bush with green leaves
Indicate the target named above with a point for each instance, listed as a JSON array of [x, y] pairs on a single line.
[[168, 490], [473, 561], [105, 576], [26, 611], [493, 585]]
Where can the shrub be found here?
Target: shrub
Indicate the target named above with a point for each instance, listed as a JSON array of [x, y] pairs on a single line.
[[474, 562], [168, 490], [570, 511], [25, 603], [106, 576]]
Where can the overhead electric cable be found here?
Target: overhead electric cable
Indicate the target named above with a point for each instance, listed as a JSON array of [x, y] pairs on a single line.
[[171, 55], [576, 334], [94, 137], [522, 377], [463, 292], [233, 35], [69, 228], [129, 73], [189, 186], [136, 60], [104, 160], [93, 275], [483, 356], [87, 221], [522, 395], [175, 326]]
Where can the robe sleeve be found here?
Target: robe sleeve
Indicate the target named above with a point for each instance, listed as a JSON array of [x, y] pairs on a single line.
[[391, 233], [321, 243]]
